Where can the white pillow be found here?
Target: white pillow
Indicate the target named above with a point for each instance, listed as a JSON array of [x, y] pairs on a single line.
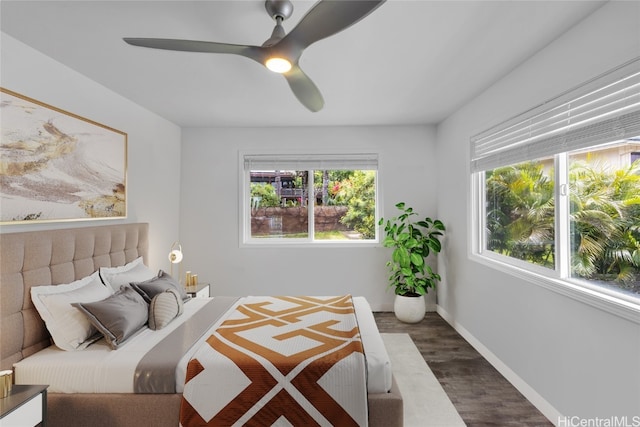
[[67, 325], [135, 271]]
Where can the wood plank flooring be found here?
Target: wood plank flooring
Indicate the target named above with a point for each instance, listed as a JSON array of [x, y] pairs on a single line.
[[480, 394]]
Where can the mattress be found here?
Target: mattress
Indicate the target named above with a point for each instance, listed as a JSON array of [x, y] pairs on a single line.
[[98, 369]]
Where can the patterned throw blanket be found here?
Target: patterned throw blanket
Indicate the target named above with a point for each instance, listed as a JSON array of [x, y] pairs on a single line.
[[280, 361]]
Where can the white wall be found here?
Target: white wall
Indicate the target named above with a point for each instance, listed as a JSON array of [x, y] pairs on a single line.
[[570, 358], [153, 172], [209, 219]]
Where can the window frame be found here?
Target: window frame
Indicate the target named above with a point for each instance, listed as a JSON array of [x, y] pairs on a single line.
[[550, 279], [245, 239], [558, 279]]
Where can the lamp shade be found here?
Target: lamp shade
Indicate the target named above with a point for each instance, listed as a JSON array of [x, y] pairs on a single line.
[[175, 256]]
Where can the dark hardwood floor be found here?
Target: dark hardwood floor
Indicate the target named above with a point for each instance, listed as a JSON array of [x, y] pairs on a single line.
[[482, 396]]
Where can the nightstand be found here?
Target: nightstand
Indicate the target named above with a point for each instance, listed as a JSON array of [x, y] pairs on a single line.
[[199, 291], [26, 405]]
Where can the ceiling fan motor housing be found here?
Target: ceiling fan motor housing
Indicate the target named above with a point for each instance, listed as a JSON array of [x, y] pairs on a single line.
[[279, 9]]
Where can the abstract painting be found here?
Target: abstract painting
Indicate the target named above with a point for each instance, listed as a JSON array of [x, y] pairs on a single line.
[[57, 166]]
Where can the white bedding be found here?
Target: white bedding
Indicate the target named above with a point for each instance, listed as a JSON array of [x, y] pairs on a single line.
[[98, 369]]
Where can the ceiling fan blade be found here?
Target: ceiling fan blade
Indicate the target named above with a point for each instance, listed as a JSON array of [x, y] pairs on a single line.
[[326, 18], [304, 89], [252, 52]]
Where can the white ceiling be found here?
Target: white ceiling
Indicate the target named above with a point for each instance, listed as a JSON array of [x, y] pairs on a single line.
[[409, 62]]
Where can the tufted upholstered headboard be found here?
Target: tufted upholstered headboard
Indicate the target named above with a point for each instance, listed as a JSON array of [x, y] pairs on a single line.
[[54, 257]]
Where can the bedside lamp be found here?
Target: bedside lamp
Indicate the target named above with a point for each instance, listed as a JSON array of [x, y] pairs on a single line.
[[175, 255]]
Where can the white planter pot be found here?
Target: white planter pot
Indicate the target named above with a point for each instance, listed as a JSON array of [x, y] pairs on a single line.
[[409, 309]]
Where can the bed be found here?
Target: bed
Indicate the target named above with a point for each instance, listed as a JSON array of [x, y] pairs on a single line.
[[62, 256]]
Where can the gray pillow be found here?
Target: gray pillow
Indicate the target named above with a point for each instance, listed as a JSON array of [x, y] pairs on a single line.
[[163, 308], [117, 317], [162, 282]]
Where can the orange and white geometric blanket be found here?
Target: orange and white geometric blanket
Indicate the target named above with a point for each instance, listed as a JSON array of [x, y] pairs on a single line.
[[284, 361]]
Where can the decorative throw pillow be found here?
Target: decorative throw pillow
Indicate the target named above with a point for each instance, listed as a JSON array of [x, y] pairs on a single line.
[[68, 327], [135, 271], [162, 282], [164, 307], [117, 317]]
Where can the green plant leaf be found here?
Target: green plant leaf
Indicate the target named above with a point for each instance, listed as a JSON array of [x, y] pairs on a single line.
[[435, 245], [403, 257], [388, 242], [395, 256], [416, 259], [411, 243]]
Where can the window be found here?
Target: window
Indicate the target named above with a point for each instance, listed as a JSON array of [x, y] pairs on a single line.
[[309, 198], [557, 190], [520, 212]]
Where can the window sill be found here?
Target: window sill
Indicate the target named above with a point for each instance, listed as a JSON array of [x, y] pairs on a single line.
[[292, 243], [617, 306]]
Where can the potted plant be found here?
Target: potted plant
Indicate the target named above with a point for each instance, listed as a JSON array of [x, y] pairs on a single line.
[[411, 277]]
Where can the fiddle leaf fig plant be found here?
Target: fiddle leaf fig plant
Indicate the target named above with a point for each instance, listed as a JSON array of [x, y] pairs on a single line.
[[412, 242]]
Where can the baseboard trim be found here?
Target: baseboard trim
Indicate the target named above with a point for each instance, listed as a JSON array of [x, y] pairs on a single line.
[[552, 414]]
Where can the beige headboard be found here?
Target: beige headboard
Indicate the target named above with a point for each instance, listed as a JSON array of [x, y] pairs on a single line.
[[53, 257]]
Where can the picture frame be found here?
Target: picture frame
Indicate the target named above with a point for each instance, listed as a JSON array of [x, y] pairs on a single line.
[[58, 166]]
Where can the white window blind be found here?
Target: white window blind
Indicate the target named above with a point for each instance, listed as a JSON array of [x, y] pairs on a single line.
[[603, 109], [311, 161]]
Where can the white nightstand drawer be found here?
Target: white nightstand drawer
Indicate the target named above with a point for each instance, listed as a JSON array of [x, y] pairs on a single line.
[[28, 414]]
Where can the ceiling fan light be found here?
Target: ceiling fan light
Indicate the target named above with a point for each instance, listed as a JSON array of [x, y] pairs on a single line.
[[278, 65]]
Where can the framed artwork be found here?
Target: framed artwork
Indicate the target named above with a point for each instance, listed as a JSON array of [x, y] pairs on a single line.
[[57, 166]]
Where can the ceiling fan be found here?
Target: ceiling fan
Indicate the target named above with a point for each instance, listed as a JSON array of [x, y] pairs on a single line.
[[281, 52]]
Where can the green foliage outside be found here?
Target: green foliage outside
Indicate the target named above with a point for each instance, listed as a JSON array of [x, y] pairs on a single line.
[[359, 193], [520, 223], [352, 188], [265, 194], [605, 223], [604, 219]]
